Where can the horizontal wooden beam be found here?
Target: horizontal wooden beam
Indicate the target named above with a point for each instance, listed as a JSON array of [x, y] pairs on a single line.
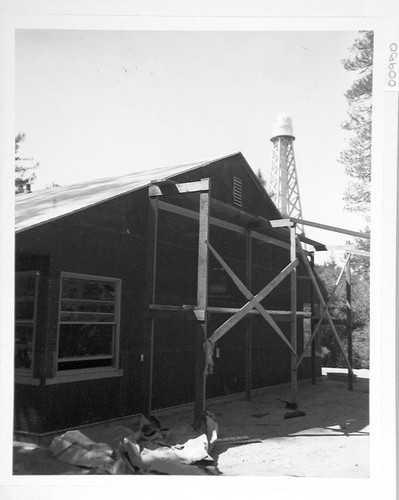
[[275, 312], [172, 312], [353, 251], [331, 228], [165, 188], [186, 212], [281, 223], [190, 312]]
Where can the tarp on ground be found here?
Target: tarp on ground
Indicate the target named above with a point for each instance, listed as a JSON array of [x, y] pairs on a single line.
[[183, 450]]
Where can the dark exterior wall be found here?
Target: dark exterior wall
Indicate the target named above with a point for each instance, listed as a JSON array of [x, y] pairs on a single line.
[[110, 240]]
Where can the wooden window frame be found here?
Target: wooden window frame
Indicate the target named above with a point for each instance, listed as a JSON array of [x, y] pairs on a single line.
[[33, 322], [68, 373]]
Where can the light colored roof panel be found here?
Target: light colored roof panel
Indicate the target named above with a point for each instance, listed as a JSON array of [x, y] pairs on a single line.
[[38, 207]]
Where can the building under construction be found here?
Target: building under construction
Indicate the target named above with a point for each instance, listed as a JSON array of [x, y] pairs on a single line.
[[157, 289]]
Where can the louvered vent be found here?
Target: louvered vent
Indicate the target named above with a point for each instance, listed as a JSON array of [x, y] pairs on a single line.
[[237, 191]]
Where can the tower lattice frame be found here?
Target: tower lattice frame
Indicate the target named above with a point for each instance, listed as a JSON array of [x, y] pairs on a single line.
[[283, 183]]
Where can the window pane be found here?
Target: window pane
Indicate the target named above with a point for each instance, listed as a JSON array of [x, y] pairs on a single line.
[[86, 306], [87, 326], [25, 309], [86, 317], [85, 340], [78, 288], [25, 306], [25, 284], [23, 346], [84, 363]]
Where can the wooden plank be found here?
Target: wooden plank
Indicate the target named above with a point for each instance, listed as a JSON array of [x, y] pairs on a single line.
[[214, 221], [166, 313], [331, 228], [203, 251], [165, 188], [323, 303], [349, 320], [220, 209], [353, 251], [312, 325], [202, 303], [272, 312], [281, 223], [294, 356]]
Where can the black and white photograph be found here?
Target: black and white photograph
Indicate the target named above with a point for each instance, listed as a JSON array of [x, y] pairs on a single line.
[[199, 221]]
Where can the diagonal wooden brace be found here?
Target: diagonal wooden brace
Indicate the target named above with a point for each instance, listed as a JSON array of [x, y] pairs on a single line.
[[316, 329], [254, 301], [323, 303]]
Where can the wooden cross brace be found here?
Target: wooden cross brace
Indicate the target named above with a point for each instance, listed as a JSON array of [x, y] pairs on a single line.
[[253, 303], [324, 305], [324, 313]]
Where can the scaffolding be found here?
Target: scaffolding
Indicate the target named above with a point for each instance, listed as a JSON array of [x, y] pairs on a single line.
[[245, 224]]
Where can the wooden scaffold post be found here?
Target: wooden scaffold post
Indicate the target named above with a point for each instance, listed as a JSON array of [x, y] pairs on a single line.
[[293, 343], [201, 310], [312, 323], [349, 319], [248, 321], [294, 369]]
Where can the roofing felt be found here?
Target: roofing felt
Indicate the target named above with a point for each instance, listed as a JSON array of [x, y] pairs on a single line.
[[32, 209]]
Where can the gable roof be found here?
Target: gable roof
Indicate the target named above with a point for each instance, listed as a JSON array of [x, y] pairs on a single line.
[[47, 204]]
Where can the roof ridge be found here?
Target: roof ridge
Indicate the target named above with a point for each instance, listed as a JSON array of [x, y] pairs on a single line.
[[110, 178]]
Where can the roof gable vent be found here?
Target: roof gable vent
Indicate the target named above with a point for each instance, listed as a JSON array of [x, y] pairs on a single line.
[[237, 191]]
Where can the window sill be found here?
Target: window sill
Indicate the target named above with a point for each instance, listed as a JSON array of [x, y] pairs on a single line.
[[25, 379], [83, 375]]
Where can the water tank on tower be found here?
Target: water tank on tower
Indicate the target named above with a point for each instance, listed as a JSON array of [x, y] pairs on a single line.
[[283, 183]]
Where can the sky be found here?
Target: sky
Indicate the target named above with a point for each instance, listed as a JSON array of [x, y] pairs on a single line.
[[101, 103]]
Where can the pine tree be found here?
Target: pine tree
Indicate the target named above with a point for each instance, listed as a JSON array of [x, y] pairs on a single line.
[[357, 156], [24, 167], [261, 178]]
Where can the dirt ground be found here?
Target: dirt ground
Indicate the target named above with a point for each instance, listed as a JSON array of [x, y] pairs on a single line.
[[330, 440]]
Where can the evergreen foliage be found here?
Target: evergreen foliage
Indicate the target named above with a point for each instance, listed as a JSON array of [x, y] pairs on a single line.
[[356, 158], [24, 167], [360, 289]]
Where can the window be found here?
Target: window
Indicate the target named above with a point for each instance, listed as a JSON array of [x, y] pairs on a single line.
[[237, 191], [88, 322], [26, 290]]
